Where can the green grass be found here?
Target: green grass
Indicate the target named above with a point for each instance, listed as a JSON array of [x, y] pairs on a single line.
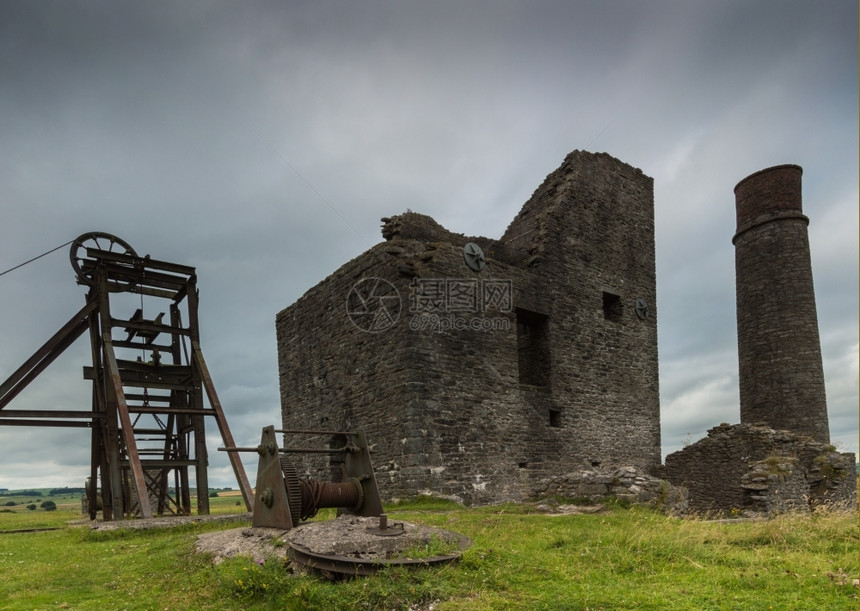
[[622, 559], [435, 547]]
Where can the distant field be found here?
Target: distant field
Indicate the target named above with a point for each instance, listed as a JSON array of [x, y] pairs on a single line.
[[225, 502], [65, 501], [230, 493]]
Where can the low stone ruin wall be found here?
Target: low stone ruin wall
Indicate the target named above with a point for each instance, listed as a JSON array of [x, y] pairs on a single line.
[[622, 483], [760, 470], [775, 485], [779, 484]]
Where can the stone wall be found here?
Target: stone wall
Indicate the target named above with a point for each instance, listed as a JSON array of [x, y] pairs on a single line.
[[478, 384], [588, 232], [733, 465], [775, 485], [627, 484]]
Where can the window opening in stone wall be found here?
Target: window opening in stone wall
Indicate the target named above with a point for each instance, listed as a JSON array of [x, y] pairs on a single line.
[[533, 348], [554, 418], [612, 308]]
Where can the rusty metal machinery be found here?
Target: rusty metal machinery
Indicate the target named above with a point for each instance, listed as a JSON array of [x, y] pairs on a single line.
[[148, 411], [282, 499], [361, 540]]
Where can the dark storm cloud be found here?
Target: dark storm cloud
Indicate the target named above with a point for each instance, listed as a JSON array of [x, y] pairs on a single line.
[[262, 141]]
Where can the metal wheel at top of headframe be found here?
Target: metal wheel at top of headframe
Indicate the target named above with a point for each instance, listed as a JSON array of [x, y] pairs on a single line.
[[98, 240]]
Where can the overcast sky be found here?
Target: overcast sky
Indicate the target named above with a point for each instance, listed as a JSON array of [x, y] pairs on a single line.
[[261, 142]]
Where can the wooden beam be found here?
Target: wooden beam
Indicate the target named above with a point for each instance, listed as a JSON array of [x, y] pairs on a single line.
[[226, 435], [51, 413], [45, 355], [127, 428], [57, 423]]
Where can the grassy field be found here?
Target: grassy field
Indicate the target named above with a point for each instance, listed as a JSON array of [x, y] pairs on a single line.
[[618, 559]]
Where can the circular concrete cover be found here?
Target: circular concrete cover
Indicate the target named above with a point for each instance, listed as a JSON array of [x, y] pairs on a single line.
[[356, 545]]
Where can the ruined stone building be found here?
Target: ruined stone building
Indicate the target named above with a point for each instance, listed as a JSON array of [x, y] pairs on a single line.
[[478, 366]]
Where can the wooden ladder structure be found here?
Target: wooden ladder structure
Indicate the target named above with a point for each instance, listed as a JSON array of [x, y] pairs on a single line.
[[149, 379]]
